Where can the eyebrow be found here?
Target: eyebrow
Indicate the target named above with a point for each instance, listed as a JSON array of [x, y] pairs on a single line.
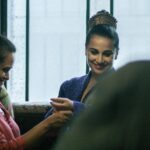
[[93, 48], [97, 49]]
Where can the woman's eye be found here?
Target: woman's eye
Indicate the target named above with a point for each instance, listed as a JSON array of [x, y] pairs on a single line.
[[108, 53], [94, 52], [6, 70]]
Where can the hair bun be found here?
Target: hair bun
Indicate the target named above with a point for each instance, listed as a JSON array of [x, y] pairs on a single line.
[[102, 17]]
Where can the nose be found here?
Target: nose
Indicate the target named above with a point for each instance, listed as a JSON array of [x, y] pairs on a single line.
[[99, 58]]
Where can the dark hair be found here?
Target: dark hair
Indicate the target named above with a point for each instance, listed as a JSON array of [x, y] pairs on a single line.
[[102, 17], [105, 31], [6, 47]]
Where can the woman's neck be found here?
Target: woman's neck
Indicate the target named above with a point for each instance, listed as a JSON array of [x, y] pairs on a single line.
[[94, 77]]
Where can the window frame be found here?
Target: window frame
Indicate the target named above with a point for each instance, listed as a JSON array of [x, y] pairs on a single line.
[[3, 30]]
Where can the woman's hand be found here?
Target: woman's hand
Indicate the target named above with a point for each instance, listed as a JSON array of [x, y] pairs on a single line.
[[62, 104], [59, 118]]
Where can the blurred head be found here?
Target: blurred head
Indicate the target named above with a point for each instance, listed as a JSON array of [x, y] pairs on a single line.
[[102, 45], [7, 50]]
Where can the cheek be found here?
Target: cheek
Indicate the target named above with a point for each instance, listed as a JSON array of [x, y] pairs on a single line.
[[91, 57], [109, 59]]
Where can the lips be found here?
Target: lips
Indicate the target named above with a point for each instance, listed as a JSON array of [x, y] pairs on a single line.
[[99, 67]]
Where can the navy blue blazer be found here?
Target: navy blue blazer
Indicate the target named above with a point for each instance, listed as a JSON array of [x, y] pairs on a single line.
[[73, 89]]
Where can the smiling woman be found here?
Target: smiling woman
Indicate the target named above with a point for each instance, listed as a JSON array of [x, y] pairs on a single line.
[[101, 49]]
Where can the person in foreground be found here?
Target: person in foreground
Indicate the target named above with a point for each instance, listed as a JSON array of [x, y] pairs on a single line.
[[120, 116], [101, 49], [10, 138]]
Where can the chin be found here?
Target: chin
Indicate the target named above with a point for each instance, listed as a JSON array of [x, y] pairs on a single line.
[[99, 72]]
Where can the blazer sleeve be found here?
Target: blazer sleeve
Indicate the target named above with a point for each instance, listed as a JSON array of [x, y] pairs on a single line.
[[78, 107]]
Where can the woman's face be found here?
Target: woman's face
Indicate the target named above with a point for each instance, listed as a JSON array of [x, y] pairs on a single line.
[[5, 67], [100, 54]]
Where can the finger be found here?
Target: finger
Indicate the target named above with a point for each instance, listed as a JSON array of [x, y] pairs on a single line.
[[67, 112], [64, 112], [58, 100], [58, 106]]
